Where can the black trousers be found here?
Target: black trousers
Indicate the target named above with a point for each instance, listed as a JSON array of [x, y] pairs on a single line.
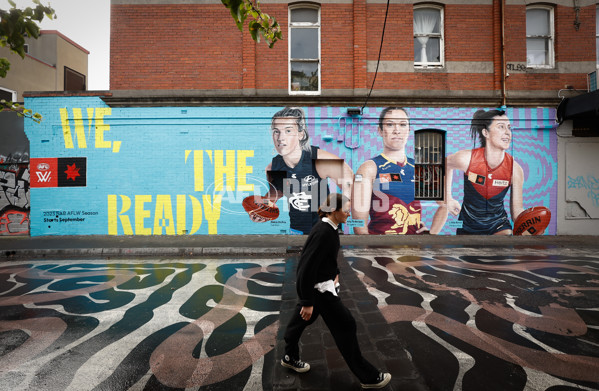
[[342, 326]]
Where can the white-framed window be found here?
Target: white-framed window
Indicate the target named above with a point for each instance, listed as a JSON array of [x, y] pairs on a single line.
[[428, 36], [539, 36], [429, 169], [8, 94], [597, 34], [304, 49]]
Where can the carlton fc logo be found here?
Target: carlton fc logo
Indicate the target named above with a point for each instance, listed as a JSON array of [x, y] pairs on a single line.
[[300, 201]]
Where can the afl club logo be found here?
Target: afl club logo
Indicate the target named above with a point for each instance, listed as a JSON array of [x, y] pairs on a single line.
[[43, 175], [310, 180], [300, 201]]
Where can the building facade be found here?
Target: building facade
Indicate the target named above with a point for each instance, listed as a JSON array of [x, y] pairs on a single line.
[[53, 62], [191, 129]]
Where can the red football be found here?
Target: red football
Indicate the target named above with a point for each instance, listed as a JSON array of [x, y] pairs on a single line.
[[260, 209], [532, 220]]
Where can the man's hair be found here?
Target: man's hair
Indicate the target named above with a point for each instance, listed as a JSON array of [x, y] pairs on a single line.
[[298, 114], [482, 120], [333, 203], [388, 109]]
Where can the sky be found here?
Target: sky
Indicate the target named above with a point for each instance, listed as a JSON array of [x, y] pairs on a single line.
[[87, 23]]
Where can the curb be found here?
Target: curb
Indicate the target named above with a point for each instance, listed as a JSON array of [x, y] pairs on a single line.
[[142, 252]]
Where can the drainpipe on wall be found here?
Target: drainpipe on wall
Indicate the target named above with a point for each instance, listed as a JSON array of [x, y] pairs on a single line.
[[503, 72]]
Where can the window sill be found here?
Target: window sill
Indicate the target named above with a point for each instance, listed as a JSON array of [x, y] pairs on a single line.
[[429, 68]]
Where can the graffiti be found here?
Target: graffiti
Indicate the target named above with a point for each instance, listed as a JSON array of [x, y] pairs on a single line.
[[589, 183], [516, 67], [150, 325], [531, 319], [14, 199]]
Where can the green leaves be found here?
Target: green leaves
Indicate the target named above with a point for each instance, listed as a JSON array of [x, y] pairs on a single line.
[[260, 24], [15, 26], [20, 110]]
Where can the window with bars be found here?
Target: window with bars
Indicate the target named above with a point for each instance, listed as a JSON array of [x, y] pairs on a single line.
[[429, 147]]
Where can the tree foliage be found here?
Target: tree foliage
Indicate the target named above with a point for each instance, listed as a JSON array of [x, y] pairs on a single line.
[[15, 26], [260, 24]]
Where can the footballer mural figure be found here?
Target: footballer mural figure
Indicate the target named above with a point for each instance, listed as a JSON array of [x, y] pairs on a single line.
[[300, 171], [383, 192], [489, 173]]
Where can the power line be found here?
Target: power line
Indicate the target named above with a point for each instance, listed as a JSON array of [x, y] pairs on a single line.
[[379, 59]]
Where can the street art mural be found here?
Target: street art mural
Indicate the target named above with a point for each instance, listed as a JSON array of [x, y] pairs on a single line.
[[98, 170], [529, 326], [14, 199], [14, 176], [138, 325]]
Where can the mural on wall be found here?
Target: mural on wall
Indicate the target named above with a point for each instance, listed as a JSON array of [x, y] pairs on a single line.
[[14, 199], [263, 170], [299, 172], [489, 172], [14, 176], [383, 192]]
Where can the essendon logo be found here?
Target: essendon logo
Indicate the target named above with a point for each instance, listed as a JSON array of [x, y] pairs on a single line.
[[58, 172]]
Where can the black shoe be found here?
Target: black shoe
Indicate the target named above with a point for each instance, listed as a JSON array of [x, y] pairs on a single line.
[[297, 365], [381, 381]]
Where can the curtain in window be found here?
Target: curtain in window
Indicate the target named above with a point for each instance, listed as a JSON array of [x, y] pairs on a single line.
[[425, 21]]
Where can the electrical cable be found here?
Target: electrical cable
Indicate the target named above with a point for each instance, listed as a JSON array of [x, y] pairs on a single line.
[[379, 59]]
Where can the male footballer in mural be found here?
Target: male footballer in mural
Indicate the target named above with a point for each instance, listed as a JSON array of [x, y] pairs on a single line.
[[299, 171], [384, 185], [489, 172]]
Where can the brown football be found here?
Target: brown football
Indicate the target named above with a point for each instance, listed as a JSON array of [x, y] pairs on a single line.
[[256, 205], [532, 220]]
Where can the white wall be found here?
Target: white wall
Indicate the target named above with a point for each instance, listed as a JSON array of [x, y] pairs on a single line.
[[578, 183]]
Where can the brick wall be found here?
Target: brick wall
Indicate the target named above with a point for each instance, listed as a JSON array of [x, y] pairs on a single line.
[[173, 47]]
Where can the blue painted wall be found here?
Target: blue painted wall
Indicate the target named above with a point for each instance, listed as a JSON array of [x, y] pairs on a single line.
[[185, 170]]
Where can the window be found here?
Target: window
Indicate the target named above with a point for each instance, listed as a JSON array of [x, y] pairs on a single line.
[[428, 36], [429, 146], [539, 37], [73, 80], [26, 48], [304, 50], [8, 95]]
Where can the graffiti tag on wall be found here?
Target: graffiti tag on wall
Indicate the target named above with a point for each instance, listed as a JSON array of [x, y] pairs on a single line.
[[589, 183], [14, 199]]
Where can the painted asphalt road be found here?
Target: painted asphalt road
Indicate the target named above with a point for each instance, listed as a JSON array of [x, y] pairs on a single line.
[[491, 319], [468, 318]]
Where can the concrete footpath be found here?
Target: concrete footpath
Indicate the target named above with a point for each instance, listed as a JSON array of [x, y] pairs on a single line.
[[12, 247]]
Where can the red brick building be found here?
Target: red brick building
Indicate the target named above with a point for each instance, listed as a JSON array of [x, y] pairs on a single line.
[[485, 52]]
